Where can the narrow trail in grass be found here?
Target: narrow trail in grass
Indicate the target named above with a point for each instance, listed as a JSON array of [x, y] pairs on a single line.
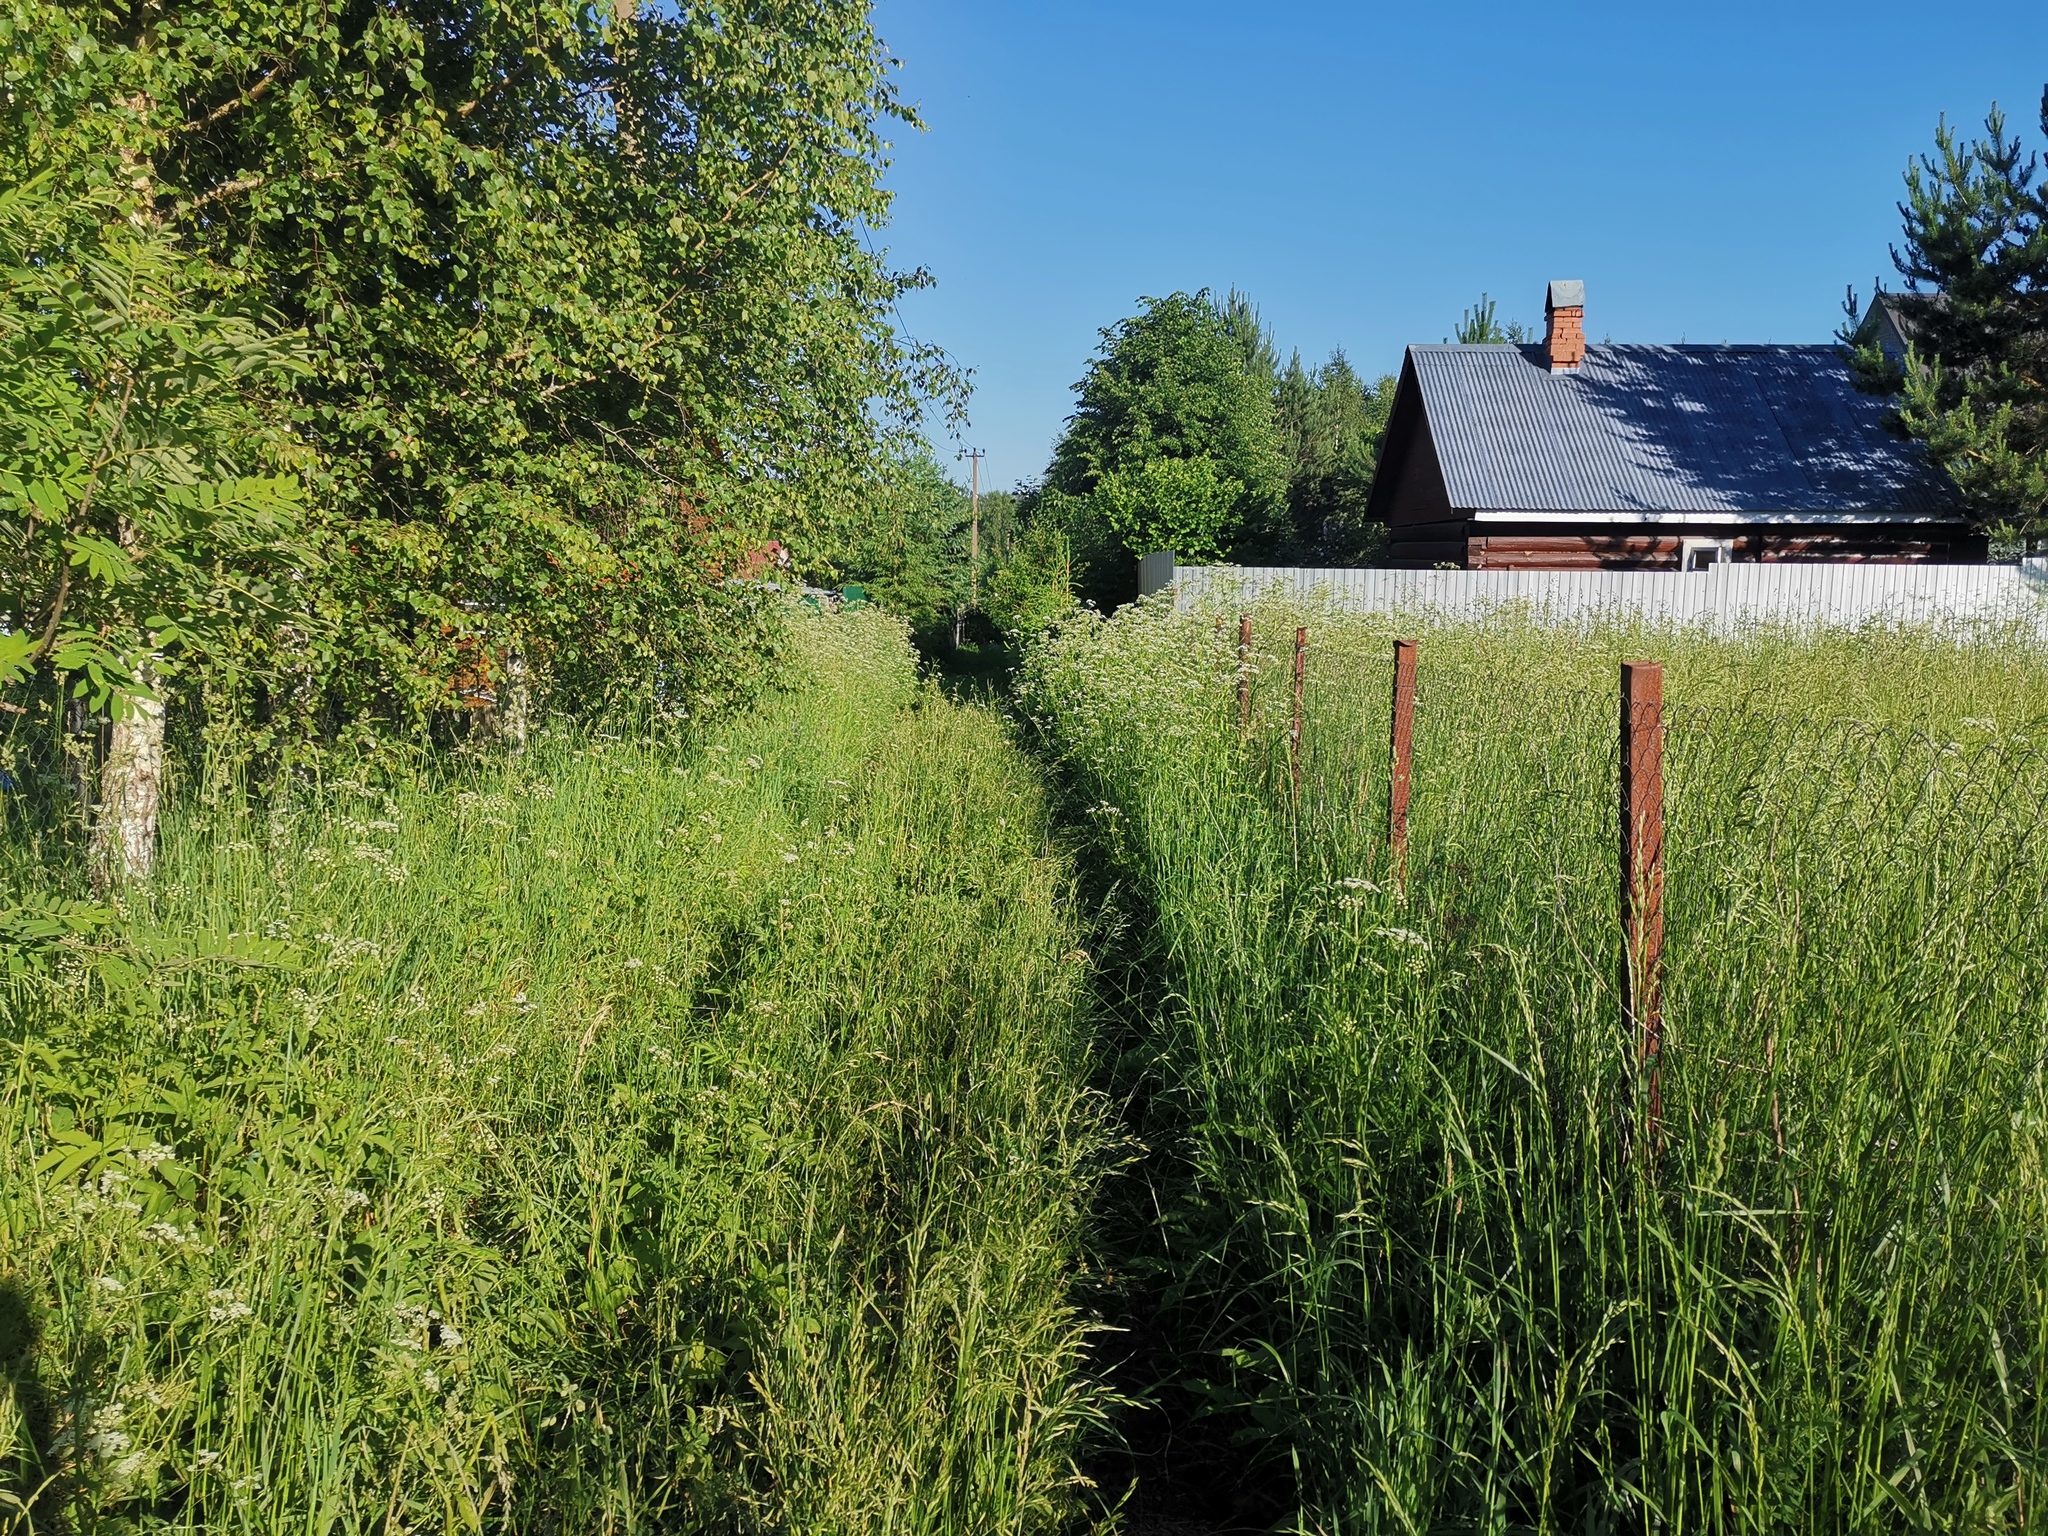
[[1399, 1253], [1164, 1461], [625, 1138]]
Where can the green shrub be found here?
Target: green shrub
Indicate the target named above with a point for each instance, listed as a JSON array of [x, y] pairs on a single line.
[[1035, 586]]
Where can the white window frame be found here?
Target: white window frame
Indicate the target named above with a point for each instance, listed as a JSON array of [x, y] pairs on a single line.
[[1704, 554]]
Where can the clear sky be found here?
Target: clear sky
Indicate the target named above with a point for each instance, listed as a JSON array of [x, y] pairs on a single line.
[[1713, 172]]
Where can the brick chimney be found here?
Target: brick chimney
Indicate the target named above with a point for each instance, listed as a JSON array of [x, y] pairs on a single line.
[[1564, 323]]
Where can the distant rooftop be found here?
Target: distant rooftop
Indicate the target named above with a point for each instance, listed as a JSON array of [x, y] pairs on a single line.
[[1757, 430]]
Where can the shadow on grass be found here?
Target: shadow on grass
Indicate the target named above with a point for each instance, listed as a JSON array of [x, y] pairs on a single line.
[[1170, 1462], [978, 672], [26, 1485]]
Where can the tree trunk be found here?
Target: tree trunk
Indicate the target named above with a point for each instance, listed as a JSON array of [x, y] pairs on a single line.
[[131, 793], [517, 704], [131, 780]]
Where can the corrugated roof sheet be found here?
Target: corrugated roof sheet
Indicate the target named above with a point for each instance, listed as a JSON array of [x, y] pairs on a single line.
[[1731, 430]]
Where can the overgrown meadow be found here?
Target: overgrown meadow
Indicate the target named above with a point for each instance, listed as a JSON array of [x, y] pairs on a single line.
[[1413, 1255], [628, 1136]]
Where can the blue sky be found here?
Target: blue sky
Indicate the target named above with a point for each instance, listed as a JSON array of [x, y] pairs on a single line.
[[1713, 172]]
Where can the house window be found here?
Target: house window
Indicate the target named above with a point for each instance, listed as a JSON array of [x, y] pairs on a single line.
[[1704, 554]]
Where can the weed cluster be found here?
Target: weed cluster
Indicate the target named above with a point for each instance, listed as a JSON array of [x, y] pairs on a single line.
[[627, 1137], [1419, 1256]]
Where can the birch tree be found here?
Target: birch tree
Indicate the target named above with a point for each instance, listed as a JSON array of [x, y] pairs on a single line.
[[149, 514]]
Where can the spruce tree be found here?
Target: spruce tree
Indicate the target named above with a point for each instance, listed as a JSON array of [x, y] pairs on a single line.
[[1974, 385]]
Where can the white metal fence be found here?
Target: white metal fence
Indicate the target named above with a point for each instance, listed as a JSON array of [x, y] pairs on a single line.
[[1720, 597]]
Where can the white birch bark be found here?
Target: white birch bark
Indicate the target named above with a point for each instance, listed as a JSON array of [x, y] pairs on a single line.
[[517, 705], [131, 779], [131, 792]]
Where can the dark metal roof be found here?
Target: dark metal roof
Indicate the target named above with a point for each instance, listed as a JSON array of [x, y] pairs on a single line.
[[1763, 431]]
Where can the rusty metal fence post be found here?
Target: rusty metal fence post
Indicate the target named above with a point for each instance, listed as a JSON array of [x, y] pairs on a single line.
[[1244, 675], [1400, 757], [1294, 729], [1642, 869]]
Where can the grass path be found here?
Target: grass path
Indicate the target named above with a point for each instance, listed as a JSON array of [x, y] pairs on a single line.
[[622, 1139]]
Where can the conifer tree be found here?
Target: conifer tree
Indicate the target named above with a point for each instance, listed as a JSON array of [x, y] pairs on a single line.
[[1974, 385]]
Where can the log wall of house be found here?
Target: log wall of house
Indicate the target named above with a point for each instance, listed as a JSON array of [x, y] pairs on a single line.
[[1643, 550]]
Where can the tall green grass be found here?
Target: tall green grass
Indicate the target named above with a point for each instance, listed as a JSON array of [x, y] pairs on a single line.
[[625, 1138], [1417, 1261]]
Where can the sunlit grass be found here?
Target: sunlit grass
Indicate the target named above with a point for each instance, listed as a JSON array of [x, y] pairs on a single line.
[[628, 1137], [1418, 1255]]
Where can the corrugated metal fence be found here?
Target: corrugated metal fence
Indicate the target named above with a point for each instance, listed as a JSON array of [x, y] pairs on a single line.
[[1723, 596]]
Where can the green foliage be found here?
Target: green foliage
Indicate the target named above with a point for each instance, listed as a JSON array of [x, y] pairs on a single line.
[[1243, 324], [1173, 384], [1187, 505], [152, 522], [1975, 384], [588, 306], [1332, 422], [1034, 586], [1190, 436], [630, 1139], [1001, 523], [1409, 1259], [911, 555], [1478, 325], [1101, 568]]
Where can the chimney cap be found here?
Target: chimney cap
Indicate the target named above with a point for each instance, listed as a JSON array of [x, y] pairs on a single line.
[[1565, 293]]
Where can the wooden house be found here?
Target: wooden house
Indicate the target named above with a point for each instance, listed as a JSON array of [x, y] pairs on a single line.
[[1560, 455]]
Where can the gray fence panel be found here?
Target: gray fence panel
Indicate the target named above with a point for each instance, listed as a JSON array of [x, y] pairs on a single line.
[[1723, 596]]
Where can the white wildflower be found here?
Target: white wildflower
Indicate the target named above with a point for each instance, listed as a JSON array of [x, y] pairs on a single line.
[[108, 1284], [1406, 936], [422, 1329]]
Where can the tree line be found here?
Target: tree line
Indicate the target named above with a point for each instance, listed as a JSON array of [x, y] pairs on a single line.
[[385, 372], [392, 374]]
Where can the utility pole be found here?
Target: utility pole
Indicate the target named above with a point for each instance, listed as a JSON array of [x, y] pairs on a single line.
[[975, 455]]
